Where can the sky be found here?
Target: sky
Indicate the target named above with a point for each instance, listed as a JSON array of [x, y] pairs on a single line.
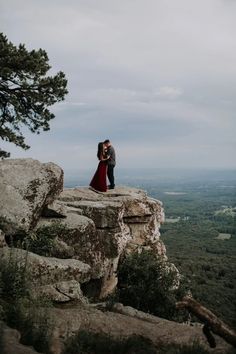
[[156, 77]]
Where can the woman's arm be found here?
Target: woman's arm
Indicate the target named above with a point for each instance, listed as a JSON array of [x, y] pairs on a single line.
[[102, 158]]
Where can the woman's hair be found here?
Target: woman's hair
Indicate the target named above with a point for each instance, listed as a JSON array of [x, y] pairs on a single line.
[[100, 150]]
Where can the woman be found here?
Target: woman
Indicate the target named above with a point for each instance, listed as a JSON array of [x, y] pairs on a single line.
[[99, 181]]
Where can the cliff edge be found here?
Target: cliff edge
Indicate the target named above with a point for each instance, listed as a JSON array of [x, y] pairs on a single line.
[[92, 230], [90, 233]]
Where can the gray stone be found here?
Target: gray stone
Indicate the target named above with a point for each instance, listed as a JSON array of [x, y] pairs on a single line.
[[77, 194], [47, 270], [105, 214], [61, 292], [72, 290], [26, 187], [114, 241]]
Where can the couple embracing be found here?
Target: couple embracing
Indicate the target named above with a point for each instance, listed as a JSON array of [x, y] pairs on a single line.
[[107, 161]]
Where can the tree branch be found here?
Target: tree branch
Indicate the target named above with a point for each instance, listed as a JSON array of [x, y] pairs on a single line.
[[210, 320]]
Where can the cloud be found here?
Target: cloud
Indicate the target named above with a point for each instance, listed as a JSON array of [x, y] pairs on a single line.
[[157, 77], [169, 92]]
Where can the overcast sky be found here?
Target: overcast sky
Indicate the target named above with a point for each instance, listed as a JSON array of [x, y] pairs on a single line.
[[157, 77]]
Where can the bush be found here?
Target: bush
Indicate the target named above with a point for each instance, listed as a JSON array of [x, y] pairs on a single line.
[[42, 240], [34, 323], [13, 279], [146, 283], [1, 336], [18, 309]]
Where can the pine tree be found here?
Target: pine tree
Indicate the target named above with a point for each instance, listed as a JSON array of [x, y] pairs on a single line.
[[26, 92]]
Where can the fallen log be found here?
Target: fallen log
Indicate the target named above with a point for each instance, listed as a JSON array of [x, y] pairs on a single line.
[[211, 321]]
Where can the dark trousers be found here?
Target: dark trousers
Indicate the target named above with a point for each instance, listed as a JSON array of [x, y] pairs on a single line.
[[110, 175]]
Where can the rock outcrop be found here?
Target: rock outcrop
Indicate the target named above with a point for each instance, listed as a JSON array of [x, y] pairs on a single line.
[[26, 187], [125, 220], [96, 229]]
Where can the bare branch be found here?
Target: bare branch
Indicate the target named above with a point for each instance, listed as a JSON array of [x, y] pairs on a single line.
[[211, 321]]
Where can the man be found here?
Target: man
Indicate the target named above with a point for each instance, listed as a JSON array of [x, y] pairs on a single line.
[[110, 163]]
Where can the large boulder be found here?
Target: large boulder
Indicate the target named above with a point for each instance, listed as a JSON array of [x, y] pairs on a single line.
[[26, 187]]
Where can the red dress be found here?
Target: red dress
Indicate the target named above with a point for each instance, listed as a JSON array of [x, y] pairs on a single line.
[[99, 181]]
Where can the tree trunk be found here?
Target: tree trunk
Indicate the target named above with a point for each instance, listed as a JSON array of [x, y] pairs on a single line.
[[212, 322]]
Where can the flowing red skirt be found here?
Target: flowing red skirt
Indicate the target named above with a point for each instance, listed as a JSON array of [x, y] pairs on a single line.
[[99, 181]]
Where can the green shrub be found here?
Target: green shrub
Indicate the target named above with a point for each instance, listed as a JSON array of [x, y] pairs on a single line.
[[146, 283], [34, 323], [18, 309], [42, 240], [13, 279]]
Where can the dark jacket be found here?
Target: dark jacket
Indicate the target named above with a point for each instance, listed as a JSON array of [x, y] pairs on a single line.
[[112, 154]]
